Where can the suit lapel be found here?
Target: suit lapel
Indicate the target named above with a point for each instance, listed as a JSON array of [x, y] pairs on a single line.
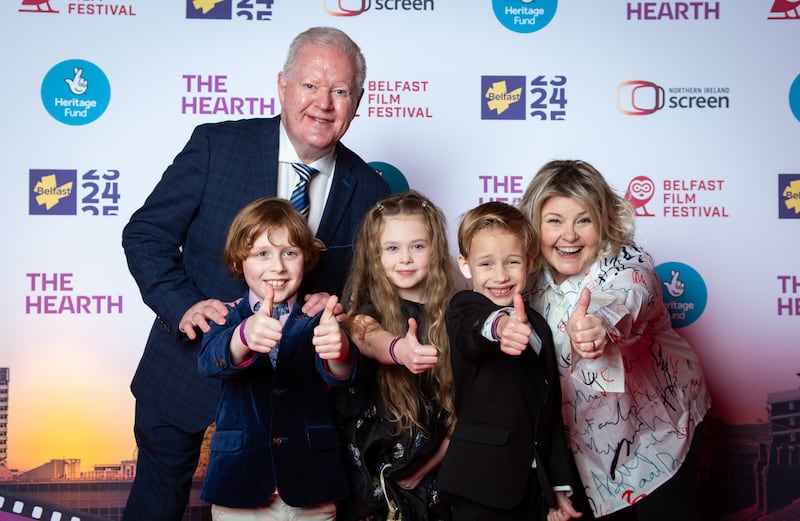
[[293, 333], [342, 190], [265, 159]]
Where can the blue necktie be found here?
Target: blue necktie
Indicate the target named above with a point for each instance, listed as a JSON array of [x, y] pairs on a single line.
[[278, 310], [299, 197]]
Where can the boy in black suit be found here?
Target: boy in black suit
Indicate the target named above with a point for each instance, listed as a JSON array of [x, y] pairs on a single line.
[[507, 458]]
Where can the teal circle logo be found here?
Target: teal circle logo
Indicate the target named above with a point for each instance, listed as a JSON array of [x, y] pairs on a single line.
[[794, 97], [75, 92], [685, 293], [524, 16], [397, 181]]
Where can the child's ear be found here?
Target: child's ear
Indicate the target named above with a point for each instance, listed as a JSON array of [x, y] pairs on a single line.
[[463, 265]]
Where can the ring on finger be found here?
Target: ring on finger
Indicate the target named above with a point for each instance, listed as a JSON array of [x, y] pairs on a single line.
[[593, 346]]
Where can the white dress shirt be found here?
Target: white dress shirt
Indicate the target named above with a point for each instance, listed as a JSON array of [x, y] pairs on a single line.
[[319, 187]]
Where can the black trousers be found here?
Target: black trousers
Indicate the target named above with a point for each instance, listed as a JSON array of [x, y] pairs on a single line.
[[531, 507], [167, 459]]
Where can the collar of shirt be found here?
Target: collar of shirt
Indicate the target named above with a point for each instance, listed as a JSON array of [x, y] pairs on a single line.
[[320, 186]]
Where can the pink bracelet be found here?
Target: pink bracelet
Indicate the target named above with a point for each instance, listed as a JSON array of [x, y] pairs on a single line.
[[241, 332], [391, 349]]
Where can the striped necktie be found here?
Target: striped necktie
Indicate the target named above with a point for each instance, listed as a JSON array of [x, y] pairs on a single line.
[[299, 197]]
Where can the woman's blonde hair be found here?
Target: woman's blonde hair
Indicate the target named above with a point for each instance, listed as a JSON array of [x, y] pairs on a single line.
[[368, 286]]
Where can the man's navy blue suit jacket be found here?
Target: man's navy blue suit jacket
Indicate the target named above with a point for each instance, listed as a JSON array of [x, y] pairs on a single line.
[[174, 245]]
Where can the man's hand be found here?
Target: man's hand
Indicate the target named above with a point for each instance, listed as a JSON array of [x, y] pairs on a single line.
[[316, 302], [199, 316]]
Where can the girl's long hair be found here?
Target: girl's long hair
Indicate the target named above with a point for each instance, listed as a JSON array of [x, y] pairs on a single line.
[[368, 286]]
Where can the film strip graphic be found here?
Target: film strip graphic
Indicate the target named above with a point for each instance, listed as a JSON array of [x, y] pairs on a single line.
[[19, 508]]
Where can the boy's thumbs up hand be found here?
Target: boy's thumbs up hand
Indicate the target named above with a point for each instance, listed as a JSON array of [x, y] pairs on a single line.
[[262, 331], [514, 330], [269, 296]]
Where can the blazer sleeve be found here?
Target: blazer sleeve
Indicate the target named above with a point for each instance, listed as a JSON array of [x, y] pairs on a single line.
[[465, 317], [214, 358], [153, 237], [174, 243]]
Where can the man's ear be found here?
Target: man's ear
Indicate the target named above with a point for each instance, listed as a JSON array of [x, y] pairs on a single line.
[[281, 86], [463, 265]]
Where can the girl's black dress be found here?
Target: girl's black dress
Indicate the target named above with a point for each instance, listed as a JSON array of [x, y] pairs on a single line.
[[372, 446]]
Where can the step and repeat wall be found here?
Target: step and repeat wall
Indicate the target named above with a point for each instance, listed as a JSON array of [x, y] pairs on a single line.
[[691, 109]]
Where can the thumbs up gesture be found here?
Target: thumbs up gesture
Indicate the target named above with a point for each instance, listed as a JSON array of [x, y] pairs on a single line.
[[513, 330], [263, 332], [330, 342], [417, 357], [586, 332]]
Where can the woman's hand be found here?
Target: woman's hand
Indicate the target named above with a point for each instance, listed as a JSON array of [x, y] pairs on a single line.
[[587, 334]]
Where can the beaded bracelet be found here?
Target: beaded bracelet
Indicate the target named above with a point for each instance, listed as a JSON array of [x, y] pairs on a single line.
[[391, 349], [241, 332]]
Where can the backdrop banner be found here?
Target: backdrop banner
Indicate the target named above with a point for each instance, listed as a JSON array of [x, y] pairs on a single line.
[[690, 109]]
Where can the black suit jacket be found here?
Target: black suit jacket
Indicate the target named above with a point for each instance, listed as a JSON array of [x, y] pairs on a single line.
[[174, 245], [508, 410]]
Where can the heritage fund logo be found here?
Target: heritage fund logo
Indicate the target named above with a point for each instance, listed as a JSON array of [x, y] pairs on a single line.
[[684, 292], [75, 92], [524, 16]]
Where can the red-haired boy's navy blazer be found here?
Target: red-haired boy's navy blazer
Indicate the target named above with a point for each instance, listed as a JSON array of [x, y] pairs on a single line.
[[274, 427]]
